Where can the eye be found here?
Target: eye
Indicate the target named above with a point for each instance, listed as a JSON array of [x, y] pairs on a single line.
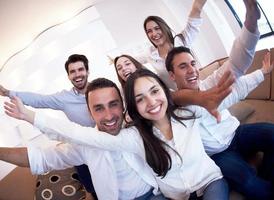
[[139, 100], [148, 31], [182, 66], [71, 71], [119, 68], [155, 91], [98, 109], [114, 104], [157, 28], [127, 64], [193, 64]]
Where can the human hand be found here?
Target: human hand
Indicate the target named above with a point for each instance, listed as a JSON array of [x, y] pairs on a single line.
[[16, 109], [214, 96], [266, 66]]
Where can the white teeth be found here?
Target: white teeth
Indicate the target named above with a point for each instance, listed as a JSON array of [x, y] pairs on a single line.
[[192, 79], [110, 123], [155, 110], [78, 80]]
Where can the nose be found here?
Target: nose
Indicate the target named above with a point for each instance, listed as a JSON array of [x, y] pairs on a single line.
[[190, 69], [108, 114], [150, 100], [123, 68], [77, 73], [153, 33]]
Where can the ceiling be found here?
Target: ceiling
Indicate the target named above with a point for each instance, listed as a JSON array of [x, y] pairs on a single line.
[[21, 21]]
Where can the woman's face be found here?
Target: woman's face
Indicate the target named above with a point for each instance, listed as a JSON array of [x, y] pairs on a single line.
[[155, 33], [125, 68], [151, 100]]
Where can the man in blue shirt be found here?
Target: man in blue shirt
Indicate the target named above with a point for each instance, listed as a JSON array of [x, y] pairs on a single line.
[[71, 102]]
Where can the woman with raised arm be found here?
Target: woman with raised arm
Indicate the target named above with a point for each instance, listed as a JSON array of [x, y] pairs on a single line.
[[161, 37]]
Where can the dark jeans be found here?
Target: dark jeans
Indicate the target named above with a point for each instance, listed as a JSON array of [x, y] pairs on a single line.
[[242, 177], [217, 190], [85, 179]]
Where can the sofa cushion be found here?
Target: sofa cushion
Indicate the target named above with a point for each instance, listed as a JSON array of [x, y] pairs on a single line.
[[272, 75], [59, 184], [241, 110], [207, 70], [263, 90], [263, 111]]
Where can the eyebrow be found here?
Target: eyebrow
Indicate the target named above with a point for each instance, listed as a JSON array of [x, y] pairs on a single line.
[[138, 95], [102, 105]]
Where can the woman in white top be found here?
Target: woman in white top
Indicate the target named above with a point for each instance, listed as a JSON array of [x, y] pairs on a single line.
[[166, 139], [161, 37]]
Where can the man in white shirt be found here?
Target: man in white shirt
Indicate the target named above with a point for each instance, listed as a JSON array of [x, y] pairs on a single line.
[[114, 177], [229, 143]]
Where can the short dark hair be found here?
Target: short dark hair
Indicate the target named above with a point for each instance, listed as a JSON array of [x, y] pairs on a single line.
[[172, 53], [76, 58], [100, 83]]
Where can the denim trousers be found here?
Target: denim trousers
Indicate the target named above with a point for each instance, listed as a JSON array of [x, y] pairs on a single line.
[[217, 190], [240, 175], [150, 196]]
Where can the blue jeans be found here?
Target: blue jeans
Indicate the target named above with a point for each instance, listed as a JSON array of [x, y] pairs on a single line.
[[217, 190], [85, 179], [150, 196], [242, 177]]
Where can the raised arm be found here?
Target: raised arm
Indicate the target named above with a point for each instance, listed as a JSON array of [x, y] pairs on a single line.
[[16, 156], [243, 49], [247, 83], [57, 157], [192, 28], [209, 99], [67, 131], [197, 8]]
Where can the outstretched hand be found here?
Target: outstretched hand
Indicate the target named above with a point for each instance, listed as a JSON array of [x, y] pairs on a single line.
[[214, 96], [16, 109], [266, 66]]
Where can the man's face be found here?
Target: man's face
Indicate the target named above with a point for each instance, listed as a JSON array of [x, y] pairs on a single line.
[[78, 75], [185, 72], [106, 108]]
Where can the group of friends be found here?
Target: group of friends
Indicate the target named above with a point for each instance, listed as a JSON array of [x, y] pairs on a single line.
[[178, 141]]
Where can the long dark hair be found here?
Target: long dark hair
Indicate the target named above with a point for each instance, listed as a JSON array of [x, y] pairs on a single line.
[[137, 64], [157, 156], [164, 27]]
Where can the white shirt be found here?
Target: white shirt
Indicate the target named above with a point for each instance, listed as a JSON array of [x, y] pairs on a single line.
[[104, 166], [217, 137], [196, 172], [158, 63]]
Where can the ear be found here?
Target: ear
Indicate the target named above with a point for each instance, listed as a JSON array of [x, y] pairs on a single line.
[[172, 75]]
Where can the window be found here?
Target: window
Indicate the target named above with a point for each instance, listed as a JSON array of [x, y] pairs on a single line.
[[265, 23]]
